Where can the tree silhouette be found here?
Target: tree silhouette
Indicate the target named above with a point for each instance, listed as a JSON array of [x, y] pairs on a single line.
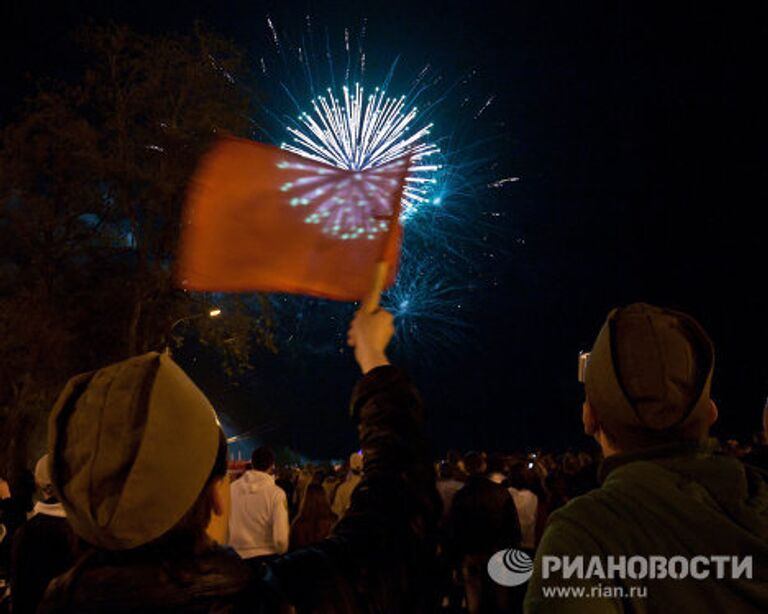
[[92, 179]]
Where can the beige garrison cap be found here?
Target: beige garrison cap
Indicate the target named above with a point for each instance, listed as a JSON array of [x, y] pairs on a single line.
[[132, 446], [650, 368]]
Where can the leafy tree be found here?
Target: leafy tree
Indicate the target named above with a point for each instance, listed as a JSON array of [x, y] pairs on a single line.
[[92, 179]]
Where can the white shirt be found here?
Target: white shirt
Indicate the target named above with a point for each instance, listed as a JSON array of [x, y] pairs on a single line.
[[526, 503], [258, 519]]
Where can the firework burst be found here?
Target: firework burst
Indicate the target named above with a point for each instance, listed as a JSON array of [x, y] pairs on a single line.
[[429, 308], [331, 102], [363, 133]]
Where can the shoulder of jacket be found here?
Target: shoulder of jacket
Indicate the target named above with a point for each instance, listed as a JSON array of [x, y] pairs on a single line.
[[582, 508], [55, 596]]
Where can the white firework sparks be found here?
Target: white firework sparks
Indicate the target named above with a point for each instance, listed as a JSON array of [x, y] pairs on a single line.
[[362, 132]]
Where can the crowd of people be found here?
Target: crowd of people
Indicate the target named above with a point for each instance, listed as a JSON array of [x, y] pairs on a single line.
[[138, 509]]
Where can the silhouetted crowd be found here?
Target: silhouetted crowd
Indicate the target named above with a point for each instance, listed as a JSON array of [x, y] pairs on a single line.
[[136, 507]]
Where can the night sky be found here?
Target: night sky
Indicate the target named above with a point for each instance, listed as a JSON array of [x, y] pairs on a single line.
[[639, 137]]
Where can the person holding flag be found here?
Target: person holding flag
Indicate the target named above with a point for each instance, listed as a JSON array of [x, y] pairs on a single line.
[[139, 459], [262, 219]]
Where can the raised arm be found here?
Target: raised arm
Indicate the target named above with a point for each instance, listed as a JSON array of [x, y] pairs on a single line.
[[380, 556]]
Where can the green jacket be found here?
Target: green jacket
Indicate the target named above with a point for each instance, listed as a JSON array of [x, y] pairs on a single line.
[[679, 500]]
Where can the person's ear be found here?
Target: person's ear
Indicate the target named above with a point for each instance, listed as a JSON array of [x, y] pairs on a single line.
[[589, 419], [713, 413], [218, 526]]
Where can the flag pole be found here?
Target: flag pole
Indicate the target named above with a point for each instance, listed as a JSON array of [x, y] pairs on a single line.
[[371, 302]]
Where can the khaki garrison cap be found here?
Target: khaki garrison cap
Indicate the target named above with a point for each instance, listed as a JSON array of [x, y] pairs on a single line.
[[132, 446], [649, 369]]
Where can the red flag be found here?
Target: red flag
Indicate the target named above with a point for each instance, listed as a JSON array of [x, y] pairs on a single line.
[[260, 218]]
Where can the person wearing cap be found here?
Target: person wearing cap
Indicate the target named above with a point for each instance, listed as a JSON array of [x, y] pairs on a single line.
[[343, 496], [139, 463], [43, 547], [664, 492]]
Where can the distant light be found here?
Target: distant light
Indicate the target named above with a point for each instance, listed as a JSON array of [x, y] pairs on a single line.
[[214, 312]]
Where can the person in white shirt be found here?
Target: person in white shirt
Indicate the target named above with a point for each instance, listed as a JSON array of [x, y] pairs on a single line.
[[258, 521]]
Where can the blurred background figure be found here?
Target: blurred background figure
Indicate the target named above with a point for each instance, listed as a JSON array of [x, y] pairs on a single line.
[[14, 511], [302, 481], [526, 504], [482, 521], [455, 460], [5, 493], [315, 519], [332, 480], [343, 496], [497, 469], [43, 547], [285, 479], [447, 485], [758, 456]]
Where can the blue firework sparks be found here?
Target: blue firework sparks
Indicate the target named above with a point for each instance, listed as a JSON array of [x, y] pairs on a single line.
[[346, 109], [429, 308]]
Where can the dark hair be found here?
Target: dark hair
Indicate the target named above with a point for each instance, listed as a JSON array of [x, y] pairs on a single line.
[[315, 502], [453, 457], [315, 517], [497, 464], [474, 463], [262, 458], [445, 470], [517, 477]]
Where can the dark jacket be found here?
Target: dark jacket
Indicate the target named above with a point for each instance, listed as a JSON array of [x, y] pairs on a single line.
[[483, 518], [378, 559], [216, 580], [677, 500], [758, 457], [43, 548]]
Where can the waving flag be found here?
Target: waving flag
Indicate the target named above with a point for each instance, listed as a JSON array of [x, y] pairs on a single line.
[[259, 218]]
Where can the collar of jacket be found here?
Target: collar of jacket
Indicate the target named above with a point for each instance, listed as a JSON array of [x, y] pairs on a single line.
[[682, 448]]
